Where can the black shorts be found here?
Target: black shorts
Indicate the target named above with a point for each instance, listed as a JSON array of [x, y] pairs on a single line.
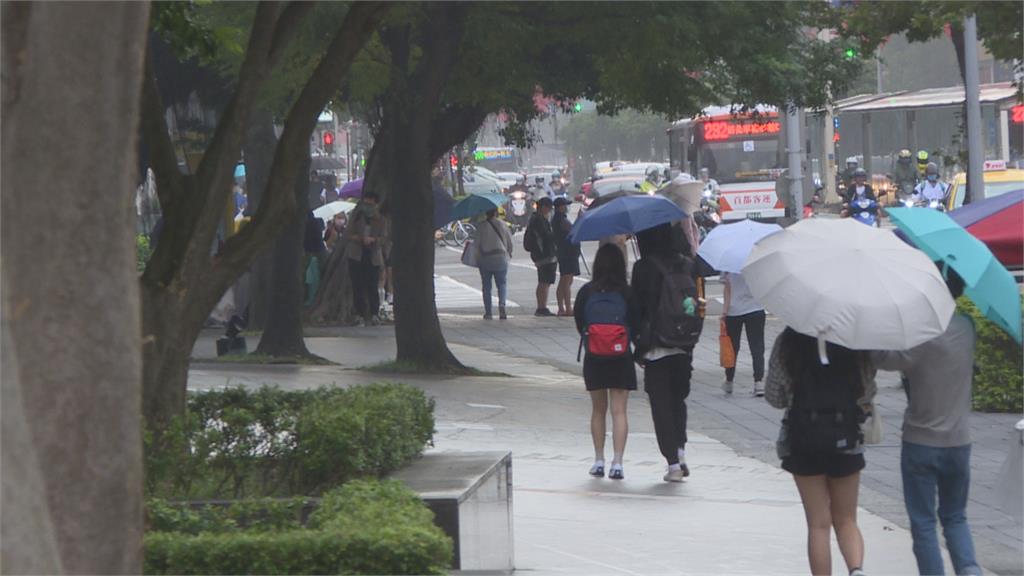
[[569, 266], [546, 273], [834, 465]]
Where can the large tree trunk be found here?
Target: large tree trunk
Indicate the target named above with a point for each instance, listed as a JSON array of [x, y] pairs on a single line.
[[260, 144], [71, 361], [282, 334], [333, 303]]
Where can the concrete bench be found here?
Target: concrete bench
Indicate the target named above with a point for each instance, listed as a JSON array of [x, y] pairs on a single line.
[[470, 494]]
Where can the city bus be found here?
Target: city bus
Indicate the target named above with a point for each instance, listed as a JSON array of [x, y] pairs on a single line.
[[744, 153], [498, 159]]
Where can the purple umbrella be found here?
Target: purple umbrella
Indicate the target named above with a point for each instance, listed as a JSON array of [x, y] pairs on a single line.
[[352, 189]]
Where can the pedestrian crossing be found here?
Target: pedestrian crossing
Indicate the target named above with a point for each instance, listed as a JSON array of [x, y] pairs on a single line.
[[450, 294]]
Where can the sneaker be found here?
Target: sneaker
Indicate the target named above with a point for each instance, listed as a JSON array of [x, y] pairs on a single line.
[[685, 469], [488, 316], [674, 475], [543, 312], [857, 572], [501, 314], [727, 386], [615, 473], [597, 470], [758, 389]]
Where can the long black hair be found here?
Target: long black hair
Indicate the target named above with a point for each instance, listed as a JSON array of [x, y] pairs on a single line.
[[609, 269], [799, 351], [655, 241]]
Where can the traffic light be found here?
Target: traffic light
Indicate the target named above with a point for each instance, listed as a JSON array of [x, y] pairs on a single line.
[[577, 107], [329, 142], [851, 54], [454, 160]]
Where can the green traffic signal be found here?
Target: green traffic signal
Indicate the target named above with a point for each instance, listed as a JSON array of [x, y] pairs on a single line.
[[578, 107], [851, 53]]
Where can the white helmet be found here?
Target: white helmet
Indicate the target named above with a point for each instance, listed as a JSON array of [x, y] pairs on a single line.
[[852, 160]]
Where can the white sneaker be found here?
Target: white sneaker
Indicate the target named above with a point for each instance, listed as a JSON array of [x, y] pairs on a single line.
[[674, 475], [758, 389], [726, 386]]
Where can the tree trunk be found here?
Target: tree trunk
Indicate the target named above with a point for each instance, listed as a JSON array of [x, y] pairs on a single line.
[[282, 335], [260, 144], [71, 360], [957, 36], [417, 329]]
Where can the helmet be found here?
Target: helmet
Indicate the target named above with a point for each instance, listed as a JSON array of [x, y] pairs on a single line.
[[931, 169], [556, 175], [653, 174], [860, 173], [904, 154], [539, 179], [520, 179], [922, 157]]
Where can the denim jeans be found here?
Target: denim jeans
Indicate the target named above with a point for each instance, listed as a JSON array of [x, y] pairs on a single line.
[[945, 472], [501, 279]]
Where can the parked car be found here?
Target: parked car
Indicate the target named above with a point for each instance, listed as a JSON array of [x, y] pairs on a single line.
[[998, 180]]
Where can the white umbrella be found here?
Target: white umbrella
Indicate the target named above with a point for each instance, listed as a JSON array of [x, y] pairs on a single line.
[[329, 210], [851, 284], [727, 246], [685, 192]]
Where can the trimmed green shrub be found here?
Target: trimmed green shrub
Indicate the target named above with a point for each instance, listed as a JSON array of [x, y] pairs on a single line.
[[998, 381], [390, 532], [234, 443]]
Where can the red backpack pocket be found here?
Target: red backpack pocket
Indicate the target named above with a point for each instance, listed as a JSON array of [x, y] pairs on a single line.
[[607, 340]]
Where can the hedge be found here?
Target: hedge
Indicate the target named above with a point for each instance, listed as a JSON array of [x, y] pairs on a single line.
[[998, 381], [364, 527], [234, 443]]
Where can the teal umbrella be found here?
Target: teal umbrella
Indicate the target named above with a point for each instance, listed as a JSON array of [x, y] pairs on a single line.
[[986, 281], [475, 204]]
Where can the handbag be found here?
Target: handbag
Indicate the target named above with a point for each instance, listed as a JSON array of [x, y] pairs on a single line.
[[872, 426], [469, 257], [726, 353]]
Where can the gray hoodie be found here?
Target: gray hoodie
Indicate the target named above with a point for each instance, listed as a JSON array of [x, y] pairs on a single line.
[[940, 372]]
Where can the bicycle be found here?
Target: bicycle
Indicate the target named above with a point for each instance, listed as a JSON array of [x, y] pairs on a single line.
[[457, 232]]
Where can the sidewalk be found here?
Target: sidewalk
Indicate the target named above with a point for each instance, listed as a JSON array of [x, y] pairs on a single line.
[[735, 515], [750, 426]]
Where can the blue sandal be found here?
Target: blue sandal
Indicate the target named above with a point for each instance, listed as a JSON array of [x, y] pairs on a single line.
[[597, 471], [615, 473]]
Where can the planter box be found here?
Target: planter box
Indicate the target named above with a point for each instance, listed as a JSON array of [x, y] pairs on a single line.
[[470, 494]]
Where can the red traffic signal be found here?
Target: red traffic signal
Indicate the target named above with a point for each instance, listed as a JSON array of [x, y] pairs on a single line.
[[328, 138], [454, 161]]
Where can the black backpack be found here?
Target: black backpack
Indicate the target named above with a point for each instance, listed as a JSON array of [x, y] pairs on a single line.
[[530, 242], [824, 417], [676, 322]]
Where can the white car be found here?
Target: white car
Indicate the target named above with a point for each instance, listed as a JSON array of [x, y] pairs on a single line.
[[485, 173]]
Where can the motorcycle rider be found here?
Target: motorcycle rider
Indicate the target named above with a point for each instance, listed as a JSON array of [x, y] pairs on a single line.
[[557, 186], [859, 190], [710, 184], [650, 183], [852, 165], [540, 189], [932, 189], [904, 175], [922, 164]]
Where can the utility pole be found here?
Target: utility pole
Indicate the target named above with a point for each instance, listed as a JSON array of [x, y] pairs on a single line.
[[793, 150], [975, 178]]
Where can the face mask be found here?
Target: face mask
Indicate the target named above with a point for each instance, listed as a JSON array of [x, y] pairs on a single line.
[[933, 177]]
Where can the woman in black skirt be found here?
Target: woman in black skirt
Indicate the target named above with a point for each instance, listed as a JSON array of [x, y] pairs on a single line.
[[608, 374]]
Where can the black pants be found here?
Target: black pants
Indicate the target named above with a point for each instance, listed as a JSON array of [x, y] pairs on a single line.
[[667, 382], [754, 323], [365, 278]]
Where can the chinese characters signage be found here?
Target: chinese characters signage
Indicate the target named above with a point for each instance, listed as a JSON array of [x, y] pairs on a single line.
[[726, 130]]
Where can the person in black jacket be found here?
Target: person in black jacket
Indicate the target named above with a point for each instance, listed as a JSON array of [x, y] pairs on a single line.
[[543, 252], [666, 370], [608, 378], [568, 256]]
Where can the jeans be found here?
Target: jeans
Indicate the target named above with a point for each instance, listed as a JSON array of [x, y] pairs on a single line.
[[754, 323], [501, 279], [667, 382], [928, 471]]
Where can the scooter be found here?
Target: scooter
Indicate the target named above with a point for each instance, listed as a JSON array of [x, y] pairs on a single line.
[[939, 205], [865, 211]]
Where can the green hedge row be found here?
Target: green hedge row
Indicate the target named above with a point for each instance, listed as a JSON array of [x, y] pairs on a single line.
[[234, 443], [998, 381], [364, 527]]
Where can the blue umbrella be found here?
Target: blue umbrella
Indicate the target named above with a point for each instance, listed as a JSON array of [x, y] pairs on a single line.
[[625, 215], [476, 203], [987, 282]]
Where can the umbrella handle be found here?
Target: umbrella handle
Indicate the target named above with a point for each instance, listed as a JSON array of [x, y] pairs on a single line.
[[822, 351]]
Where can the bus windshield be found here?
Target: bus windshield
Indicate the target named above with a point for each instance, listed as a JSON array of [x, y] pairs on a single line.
[[741, 161]]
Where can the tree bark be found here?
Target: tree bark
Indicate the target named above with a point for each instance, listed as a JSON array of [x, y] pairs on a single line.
[[71, 362], [333, 303], [282, 334], [260, 144]]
